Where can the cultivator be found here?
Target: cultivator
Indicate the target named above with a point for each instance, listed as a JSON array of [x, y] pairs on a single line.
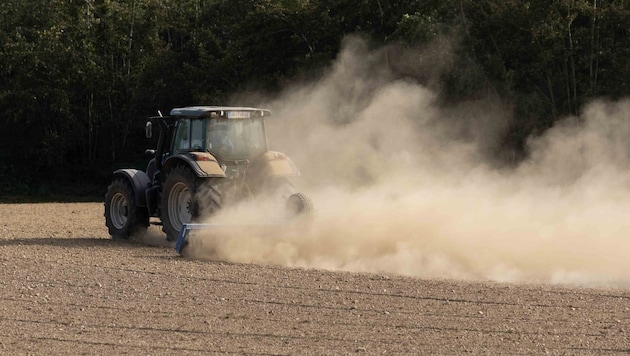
[[299, 211], [184, 235]]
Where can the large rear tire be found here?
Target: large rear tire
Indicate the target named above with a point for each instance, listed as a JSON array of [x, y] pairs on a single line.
[[123, 217], [186, 198], [282, 188]]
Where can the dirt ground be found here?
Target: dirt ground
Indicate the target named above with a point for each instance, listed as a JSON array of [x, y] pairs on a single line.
[[67, 288]]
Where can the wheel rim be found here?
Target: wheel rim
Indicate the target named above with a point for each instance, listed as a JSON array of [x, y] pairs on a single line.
[[119, 210], [179, 205]]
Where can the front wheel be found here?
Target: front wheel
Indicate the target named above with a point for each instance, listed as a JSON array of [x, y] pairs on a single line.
[[299, 205], [123, 218], [186, 197]]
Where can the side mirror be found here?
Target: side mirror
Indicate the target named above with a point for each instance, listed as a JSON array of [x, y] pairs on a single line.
[[148, 129]]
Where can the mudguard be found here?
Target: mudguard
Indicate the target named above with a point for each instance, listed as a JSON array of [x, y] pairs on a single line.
[[202, 163], [139, 182], [276, 164]]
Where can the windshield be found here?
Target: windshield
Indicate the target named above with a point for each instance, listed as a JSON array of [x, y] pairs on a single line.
[[236, 139]]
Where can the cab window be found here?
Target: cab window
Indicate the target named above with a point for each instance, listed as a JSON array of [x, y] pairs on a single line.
[[189, 135]]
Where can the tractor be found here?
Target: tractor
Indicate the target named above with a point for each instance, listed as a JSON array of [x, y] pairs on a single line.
[[207, 157]]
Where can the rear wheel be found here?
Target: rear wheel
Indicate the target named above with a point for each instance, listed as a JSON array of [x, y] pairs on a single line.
[[277, 189], [283, 188], [123, 218], [185, 198]]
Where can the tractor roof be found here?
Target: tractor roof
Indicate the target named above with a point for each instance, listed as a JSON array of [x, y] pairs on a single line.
[[232, 112]]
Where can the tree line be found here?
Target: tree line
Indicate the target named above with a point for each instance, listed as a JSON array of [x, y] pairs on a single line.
[[77, 77]]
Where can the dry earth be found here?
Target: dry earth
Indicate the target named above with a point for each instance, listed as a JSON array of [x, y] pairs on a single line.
[[68, 289]]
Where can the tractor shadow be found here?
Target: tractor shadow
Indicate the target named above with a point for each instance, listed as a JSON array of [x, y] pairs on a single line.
[[152, 238], [60, 242]]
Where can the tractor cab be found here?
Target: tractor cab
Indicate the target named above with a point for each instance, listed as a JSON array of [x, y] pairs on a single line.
[[229, 134]]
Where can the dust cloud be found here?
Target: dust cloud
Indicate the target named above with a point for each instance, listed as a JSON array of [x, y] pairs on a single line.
[[403, 184]]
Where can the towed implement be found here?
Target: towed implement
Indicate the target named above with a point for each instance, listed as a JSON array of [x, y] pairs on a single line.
[[207, 158]]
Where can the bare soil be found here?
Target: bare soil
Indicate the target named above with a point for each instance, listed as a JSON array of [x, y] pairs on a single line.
[[67, 288]]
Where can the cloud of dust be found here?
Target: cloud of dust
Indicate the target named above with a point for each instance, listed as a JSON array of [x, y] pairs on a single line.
[[403, 185]]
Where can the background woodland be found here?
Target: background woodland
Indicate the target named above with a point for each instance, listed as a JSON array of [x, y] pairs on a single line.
[[78, 77]]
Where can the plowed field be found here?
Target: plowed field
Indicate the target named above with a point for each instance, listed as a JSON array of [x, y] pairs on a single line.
[[67, 288]]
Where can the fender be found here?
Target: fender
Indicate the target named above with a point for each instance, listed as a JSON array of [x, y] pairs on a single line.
[[277, 164], [202, 163], [140, 182]]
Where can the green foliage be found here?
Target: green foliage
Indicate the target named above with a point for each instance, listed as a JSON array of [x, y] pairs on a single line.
[[13, 182], [77, 77]]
